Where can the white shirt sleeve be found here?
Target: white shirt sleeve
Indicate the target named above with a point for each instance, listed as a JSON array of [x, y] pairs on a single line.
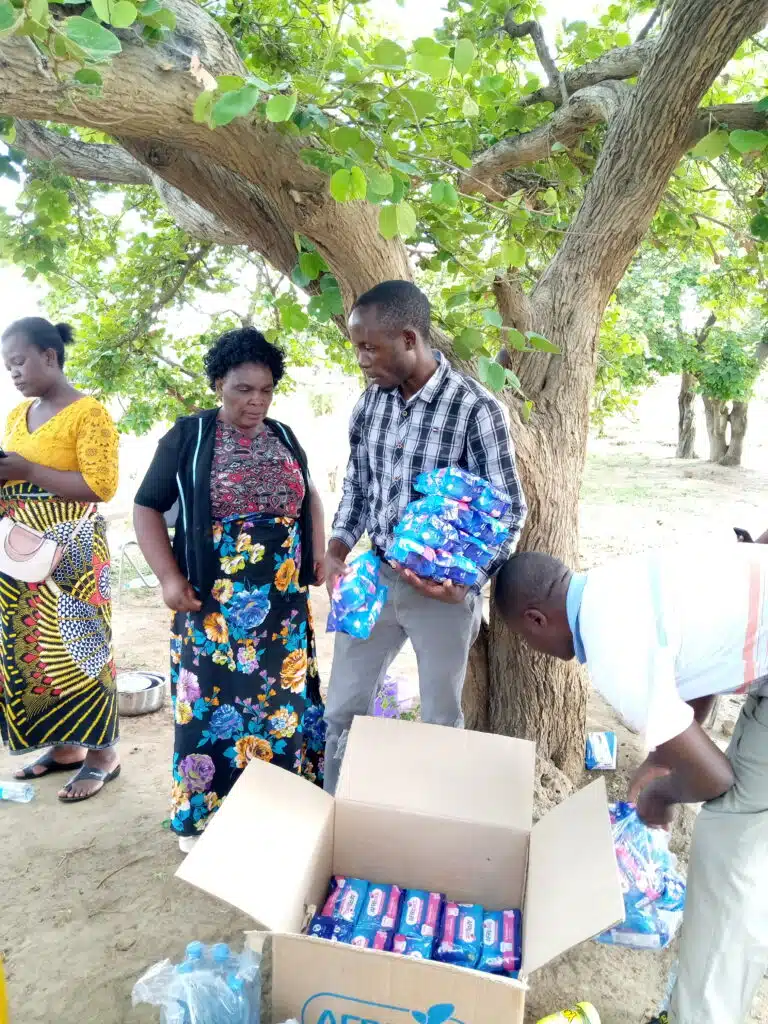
[[628, 663]]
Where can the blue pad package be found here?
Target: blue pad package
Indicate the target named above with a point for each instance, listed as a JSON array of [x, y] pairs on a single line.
[[357, 599], [461, 937]]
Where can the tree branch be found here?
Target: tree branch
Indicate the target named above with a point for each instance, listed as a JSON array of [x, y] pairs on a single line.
[[616, 65], [645, 30], [536, 32], [583, 110], [89, 161]]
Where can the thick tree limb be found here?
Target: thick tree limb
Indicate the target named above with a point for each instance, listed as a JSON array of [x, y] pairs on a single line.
[[616, 65], [584, 109], [146, 104], [536, 32], [89, 161]]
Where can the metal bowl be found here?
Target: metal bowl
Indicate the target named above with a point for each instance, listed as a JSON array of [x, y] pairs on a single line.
[[132, 700]]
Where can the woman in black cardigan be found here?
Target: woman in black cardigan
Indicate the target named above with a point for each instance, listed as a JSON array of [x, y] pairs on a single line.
[[249, 539]]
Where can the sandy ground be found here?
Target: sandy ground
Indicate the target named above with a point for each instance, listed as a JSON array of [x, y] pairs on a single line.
[[89, 898]]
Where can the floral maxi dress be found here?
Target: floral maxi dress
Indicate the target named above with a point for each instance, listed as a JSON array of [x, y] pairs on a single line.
[[244, 673]]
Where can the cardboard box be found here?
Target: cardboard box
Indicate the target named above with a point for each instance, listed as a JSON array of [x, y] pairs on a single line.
[[425, 807]]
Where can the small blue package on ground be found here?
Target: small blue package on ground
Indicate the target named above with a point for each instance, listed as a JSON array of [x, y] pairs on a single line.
[[653, 888], [357, 599], [602, 751]]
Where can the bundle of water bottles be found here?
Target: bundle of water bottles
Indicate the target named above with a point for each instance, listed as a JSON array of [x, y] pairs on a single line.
[[453, 532], [653, 888], [421, 925], [212, 985]]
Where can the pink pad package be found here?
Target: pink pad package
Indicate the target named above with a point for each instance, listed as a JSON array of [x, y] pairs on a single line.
[[345, 900], [381, 909], [461, 935], [380, 939]]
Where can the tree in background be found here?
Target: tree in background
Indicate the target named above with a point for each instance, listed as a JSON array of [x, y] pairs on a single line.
[[292, 131], [664, 322]]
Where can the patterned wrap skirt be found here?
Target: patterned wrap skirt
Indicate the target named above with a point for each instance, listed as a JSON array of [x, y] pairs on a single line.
[[244, 676], [57, 673]]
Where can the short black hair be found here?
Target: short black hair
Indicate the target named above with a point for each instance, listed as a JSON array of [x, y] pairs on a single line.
[[43, 335], [399, 304], [243, 345], [527, 580]]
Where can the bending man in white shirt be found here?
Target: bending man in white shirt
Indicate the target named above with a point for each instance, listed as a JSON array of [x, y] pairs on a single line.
[[662, 634]]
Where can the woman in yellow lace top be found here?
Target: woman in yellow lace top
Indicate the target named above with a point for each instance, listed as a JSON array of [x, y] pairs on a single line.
[[57, 674]]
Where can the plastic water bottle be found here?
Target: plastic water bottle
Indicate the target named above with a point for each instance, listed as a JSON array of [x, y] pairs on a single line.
[[19, 792], [223, 962], [241, 1004], [581, 1013]]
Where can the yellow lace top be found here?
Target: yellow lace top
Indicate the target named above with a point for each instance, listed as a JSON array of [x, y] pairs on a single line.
[[80, 439]]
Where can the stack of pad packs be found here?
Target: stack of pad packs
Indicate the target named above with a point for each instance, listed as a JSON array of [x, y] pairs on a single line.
[[453, 533], [422, 925], [654, 890], [357, 599]]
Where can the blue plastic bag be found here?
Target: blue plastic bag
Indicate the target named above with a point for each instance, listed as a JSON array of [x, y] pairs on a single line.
[[461, 515], [357, 599], [653, 888]]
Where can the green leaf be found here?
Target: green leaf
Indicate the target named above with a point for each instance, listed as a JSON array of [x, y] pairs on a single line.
[[119, 13], [396, 220], [749, 141], [347, 185], [311, 264], [201, 112], [299, 278], [513, 254], [469, 108], [541, 344], [234, 104], [38, 9], [456, 300], [9, 16], [423, 103], [470, 339], [513, 380], [493, 317], [711, 146], [514, 339], [460, 159], [496, 376], [229, 83], [88, 76], [389, 54], [98, 43], [444, 194], [438, 68], [762, 106], [401, 165], [426, 46], [281, 106], [525, 412], [164, 18], [464, 54], [381, 182], [759, 227], [550, 197], [318, 308]]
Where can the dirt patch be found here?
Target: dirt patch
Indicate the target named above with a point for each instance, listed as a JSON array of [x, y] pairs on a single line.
[[90, 900]]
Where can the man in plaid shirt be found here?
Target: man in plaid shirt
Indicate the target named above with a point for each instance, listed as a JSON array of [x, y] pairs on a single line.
[[417, 414]]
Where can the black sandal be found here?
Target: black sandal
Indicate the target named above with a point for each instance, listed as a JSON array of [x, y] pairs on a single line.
[[51, 765], [87, 774]]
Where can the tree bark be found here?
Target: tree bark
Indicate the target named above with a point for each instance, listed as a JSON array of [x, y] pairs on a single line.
[[251, 179], [738, 423], [716, 413], [686, 420]]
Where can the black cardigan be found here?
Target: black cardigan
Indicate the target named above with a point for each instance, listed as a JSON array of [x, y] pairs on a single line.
[[181, 472]]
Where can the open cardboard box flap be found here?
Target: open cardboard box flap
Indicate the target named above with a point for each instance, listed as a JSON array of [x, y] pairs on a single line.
[[444, 773], [573, 889], [427, 807]]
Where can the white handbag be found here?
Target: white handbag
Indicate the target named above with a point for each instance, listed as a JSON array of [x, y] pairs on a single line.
[[28, 555]]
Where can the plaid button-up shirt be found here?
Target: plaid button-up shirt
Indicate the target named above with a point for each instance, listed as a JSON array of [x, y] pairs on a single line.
[[452, 421]]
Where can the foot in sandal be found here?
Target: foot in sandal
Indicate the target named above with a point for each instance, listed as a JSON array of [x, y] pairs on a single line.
[[99, 768]]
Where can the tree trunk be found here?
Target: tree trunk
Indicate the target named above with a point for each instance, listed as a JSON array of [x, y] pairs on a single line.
[[475, 696], [716, 413], [686, 420], [738, 422]]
